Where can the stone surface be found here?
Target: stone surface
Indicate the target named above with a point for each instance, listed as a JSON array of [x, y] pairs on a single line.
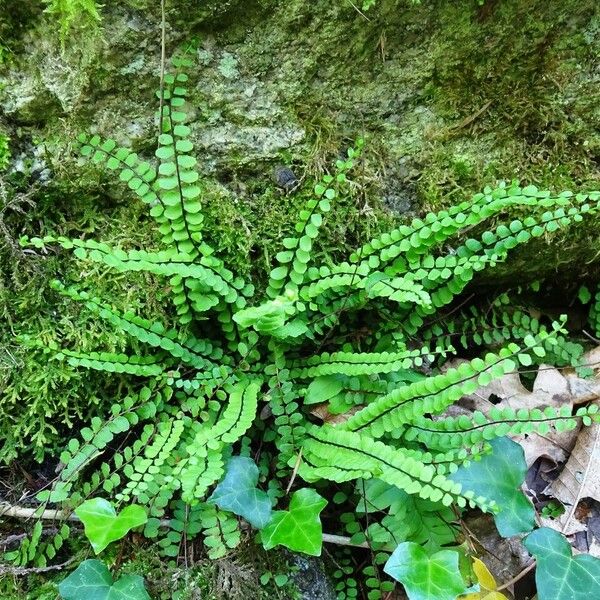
[[310, 578]]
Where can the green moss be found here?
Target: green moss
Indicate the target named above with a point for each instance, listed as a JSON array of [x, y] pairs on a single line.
[[42, 399], [4, 150]]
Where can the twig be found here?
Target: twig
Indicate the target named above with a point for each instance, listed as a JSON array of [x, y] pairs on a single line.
[[23, 512], [8, 570], [13, 539], [340, 540], [360, 12], [517, 577], [294, 472], [589, 335]]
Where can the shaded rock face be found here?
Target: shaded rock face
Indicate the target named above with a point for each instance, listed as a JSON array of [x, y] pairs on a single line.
[[310, 578], [449, 97]]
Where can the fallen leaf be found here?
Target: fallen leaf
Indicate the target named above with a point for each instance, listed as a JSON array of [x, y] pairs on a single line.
[[580, 478], [550, 388], [487, 584], [322, 412]]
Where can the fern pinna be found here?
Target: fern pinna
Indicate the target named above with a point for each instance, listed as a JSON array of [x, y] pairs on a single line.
[[245, 371]]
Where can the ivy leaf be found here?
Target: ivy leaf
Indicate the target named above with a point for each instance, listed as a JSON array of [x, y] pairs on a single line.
[[92, 580], [424, 577], [323, 388], [102, 525], [559, 575], [299, 527], [499, 476], [238, 493]]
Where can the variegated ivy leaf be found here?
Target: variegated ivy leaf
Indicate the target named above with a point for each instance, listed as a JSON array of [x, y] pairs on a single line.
[[102, 525], [559, 575], [299, 527], [424, 577], [92, 581], [238, 493], [498, 476]]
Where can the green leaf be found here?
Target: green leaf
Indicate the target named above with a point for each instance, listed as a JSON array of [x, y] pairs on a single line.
[[559, 575], [426, 577], [102, 525], [92, 581], [298, 528], [584, 295], [498, 476], [238, 493], [322, 389]]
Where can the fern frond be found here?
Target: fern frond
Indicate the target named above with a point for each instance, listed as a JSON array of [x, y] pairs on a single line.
[[191, 351], [204, 464], [431, 395], [294, 260], [342, 456], [455, 432], [138, 174], [177, 184], [361, 363], [143, 366], [143, 472]]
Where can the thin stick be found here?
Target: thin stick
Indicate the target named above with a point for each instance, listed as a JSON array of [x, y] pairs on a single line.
[[8, 570], [22, 512], [51, 514], [360, 12], [340, 540], [294, 472], [595, 340], [517, 577]]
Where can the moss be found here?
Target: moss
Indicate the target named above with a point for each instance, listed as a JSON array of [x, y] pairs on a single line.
[[449, 97], [235, 576], [41, 398]]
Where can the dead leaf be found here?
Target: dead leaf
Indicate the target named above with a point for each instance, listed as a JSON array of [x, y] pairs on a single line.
[[580, 478], [550, 388], [321, 411], [487, 584]]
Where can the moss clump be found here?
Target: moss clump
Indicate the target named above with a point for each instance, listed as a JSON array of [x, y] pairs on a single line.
[[42, 398]]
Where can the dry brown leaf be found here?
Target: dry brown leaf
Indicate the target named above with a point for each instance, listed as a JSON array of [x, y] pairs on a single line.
[[580, 478], [551, 388], [322, 412]]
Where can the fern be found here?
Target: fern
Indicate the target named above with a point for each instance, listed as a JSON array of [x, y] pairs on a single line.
[[245, 369]]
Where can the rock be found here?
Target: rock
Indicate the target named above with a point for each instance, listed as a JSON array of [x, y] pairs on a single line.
[[310, 579], [285, 178], [290, 82]]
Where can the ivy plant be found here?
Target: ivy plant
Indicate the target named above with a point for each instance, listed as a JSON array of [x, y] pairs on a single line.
[[92, 579], [102, 525], [262, 373]]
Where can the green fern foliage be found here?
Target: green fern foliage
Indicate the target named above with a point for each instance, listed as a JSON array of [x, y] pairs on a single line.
[[262, 374]]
